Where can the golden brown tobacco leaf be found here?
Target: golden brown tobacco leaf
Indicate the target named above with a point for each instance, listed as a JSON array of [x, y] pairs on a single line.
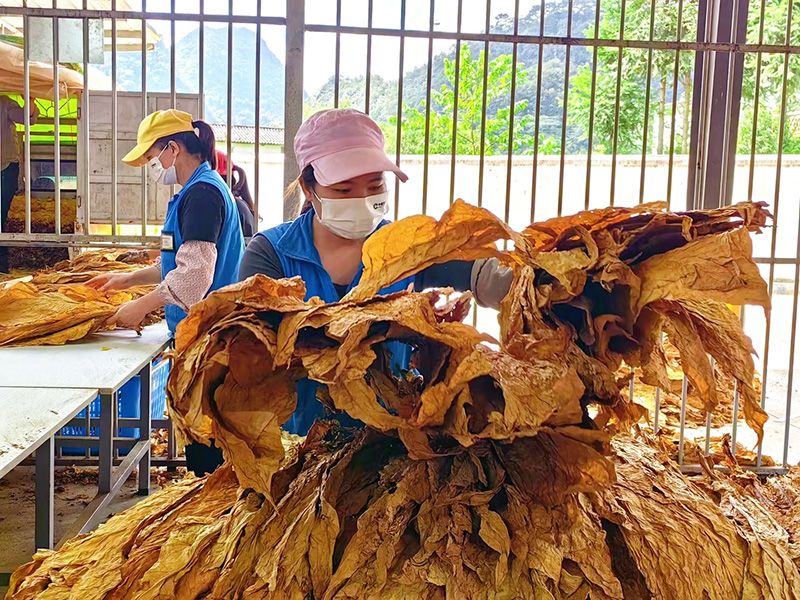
[[52, 315], [103, 261], [236, 382], [356, 518], [480, 473], [465, 232]]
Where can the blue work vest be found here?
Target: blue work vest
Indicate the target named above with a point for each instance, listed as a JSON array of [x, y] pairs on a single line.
[[294, 244], [230, 244]]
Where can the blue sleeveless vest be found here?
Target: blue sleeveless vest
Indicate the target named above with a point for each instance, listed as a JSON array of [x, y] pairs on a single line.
[[230, 245], [294, 244]]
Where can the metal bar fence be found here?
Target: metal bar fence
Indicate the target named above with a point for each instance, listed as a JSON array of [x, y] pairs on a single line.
[[548, 168]]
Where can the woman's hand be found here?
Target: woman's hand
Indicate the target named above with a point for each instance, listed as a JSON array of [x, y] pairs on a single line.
[[130, 315], [110, 281]]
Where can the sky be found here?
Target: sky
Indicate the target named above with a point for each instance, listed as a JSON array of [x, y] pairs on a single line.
[[320, 47]]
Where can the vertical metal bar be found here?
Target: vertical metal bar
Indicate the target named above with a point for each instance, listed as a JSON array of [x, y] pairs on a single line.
[[776, 204], [684, 389], [145, 379], [756, 97], [590, 141], [511, 113], [114, 136], [703, 76], [399, 129], [615, 134], [26, 83], [564, 113], [201, 39], [484, 107], [338, 54], [144, 170], [793, 330], [172, 63], [735, 426], [368, 78], [45, 466], [84, 132], [649, 84], [708, 413], [108, 408], [427, 144], [537, 116], [56, 124], [295, 14], [456, 92], [257, 149], [675, 74], [229, 116], [734, 100]]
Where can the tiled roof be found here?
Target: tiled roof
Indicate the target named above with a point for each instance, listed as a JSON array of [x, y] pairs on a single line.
[[246, 134]]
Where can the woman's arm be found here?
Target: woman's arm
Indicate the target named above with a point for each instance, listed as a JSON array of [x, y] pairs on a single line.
[[260, 257], [192, 276], [486, 278]]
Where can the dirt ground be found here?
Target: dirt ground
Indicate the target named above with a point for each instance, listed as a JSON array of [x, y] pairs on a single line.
[[74, 489]]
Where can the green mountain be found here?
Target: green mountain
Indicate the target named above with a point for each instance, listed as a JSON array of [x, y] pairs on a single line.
[[215, 83]]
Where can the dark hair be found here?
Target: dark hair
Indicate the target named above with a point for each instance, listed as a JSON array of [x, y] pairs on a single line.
[[307, 177], [197, 144], [240, 188]]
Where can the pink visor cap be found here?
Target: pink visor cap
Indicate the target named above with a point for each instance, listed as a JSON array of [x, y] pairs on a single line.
[[341, 144]]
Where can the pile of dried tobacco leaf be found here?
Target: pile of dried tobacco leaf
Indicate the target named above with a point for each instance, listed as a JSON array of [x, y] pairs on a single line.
[[52, 307], [482, 473]]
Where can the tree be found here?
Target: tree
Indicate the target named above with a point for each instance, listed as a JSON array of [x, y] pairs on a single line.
[[634, 79], [470, 113], [771, 82]]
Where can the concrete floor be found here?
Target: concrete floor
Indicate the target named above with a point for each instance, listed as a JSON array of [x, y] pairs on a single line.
[[74, 489]]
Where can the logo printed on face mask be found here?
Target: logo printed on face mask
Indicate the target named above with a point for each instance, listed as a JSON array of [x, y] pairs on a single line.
[[352, 218]]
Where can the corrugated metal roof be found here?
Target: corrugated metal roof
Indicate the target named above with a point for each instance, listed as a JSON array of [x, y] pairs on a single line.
[[246, 134]]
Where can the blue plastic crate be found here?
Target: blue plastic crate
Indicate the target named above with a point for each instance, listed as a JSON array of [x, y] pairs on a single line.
[[158, 391], [127, 406]]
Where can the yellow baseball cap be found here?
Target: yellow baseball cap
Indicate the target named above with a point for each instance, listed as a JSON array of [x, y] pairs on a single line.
[[154, 127]]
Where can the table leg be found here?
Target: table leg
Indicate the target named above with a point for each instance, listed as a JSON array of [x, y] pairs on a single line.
[[108, 407], [145, 376], [45, 460]]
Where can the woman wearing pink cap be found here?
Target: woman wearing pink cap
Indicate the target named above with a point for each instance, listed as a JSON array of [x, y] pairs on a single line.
[[342, 161]]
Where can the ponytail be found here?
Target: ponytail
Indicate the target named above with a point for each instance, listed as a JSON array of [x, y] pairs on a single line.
[[307, 177], [240, 188], [206, 137], [198, 143]]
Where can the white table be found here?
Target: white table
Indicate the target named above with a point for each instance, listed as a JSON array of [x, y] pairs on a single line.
[[103, 363], [31, 417]]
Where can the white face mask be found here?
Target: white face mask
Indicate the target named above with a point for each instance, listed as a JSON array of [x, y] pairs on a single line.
[[353, 218], [159, 174]]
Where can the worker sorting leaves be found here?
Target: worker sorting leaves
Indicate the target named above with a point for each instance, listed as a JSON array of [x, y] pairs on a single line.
[[201, 240], [342, 162]]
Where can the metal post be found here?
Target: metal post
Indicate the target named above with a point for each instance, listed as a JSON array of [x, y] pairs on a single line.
[[56, 127], [145, 380], [295, 16], [108, 409], [45, 464]]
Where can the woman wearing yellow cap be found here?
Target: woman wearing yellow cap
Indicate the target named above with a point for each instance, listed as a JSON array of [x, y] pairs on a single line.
[[201, 241]]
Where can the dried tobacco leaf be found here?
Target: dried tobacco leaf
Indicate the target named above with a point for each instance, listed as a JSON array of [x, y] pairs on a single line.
[[480, 475], [52, 315], [465, 232]]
